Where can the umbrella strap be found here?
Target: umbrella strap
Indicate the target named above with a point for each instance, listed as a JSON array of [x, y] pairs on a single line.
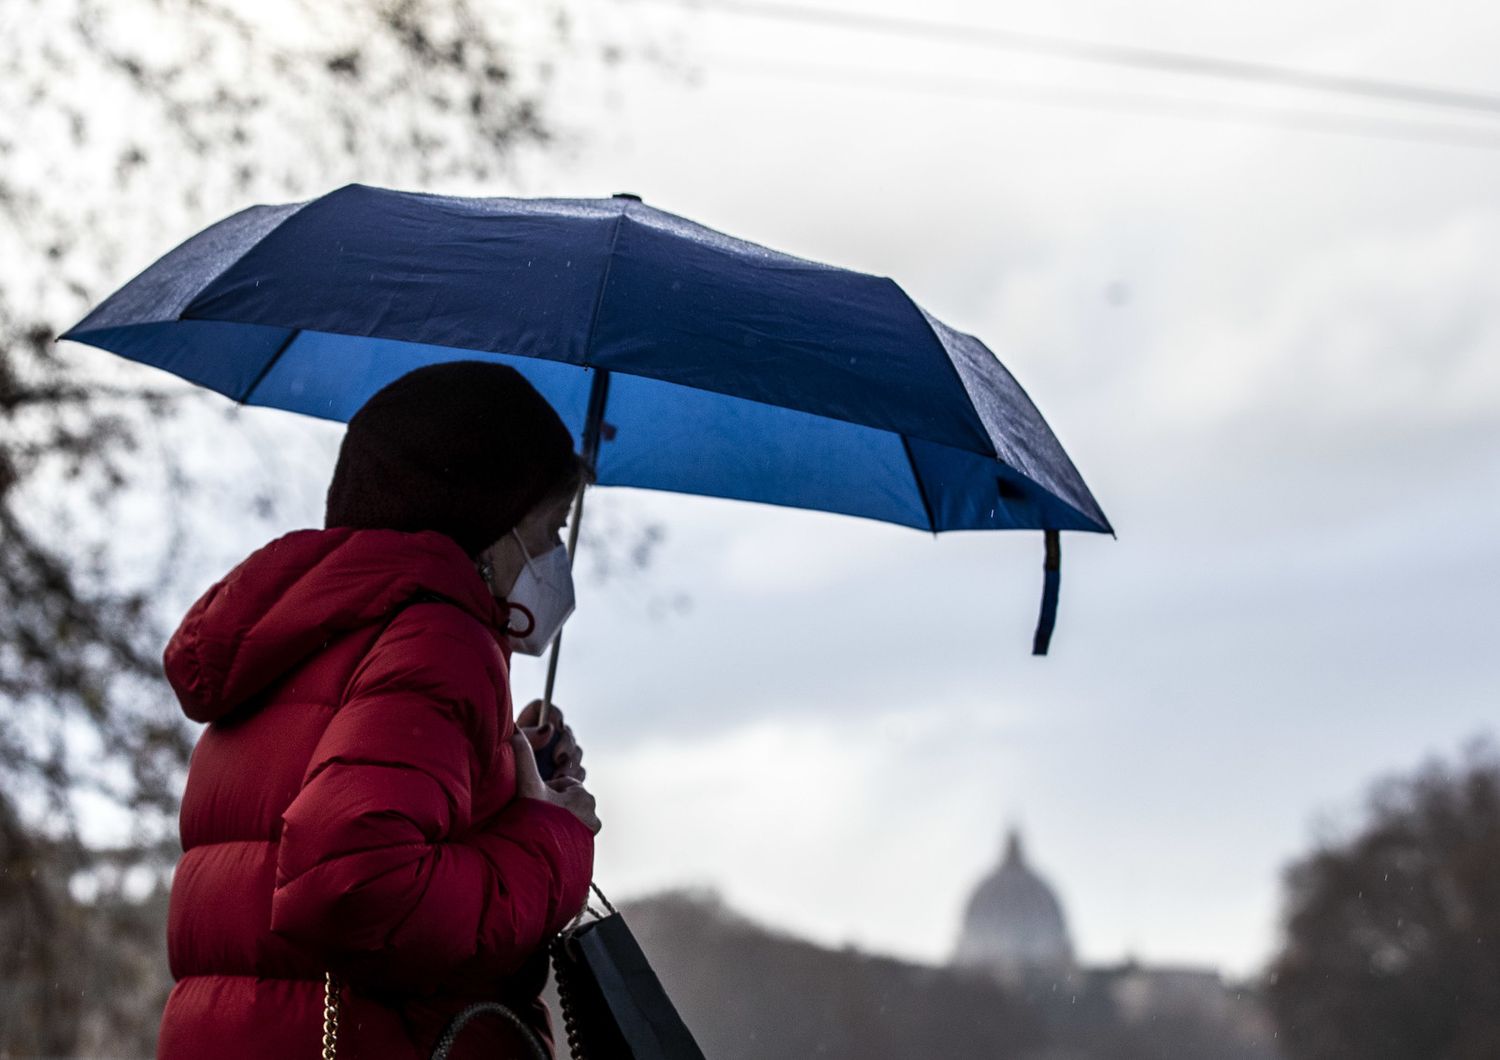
[[1051, 584]]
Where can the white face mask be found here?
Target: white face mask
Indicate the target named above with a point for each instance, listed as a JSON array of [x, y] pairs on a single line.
[[545, 589]]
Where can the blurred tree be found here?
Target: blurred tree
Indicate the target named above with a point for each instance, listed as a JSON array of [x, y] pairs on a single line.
[[128, 123], [1393, 936]]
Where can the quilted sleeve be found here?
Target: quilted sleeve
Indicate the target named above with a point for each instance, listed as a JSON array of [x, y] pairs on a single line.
[[378, 867]]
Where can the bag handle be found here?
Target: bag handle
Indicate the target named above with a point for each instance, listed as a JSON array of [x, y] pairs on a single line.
[[595, 888], [450, 1034], [332, 986]]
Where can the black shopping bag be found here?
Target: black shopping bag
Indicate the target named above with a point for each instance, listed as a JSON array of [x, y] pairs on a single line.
[[613, 1005]]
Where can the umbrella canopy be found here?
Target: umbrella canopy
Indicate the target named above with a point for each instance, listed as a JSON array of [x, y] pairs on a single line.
[[682, 358]]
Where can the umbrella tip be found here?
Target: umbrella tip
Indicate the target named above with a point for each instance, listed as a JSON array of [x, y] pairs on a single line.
[[626, 195]]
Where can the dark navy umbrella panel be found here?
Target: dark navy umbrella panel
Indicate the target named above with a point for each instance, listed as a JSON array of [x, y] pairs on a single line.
[[734, 370]]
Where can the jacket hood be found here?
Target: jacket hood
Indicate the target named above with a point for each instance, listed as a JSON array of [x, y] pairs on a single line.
[[290, 598]]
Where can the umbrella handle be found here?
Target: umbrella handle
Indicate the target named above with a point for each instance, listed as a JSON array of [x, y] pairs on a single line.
[[546, 764]]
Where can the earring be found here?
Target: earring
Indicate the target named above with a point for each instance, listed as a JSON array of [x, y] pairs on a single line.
[[487, 572]]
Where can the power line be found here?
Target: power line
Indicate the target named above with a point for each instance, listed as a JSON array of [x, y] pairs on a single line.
[[1155, 59], [1132, 103]]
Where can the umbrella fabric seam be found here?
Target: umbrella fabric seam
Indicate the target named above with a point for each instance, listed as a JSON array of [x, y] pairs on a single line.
[[216, 277], [609, 262], [958, 378], [244, 399], [916, 477], [1100, 520]]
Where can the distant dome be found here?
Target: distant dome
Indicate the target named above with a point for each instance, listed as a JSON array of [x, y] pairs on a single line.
[[1014, 923]]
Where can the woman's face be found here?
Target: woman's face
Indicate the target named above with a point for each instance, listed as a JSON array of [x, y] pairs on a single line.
[[540, 530]]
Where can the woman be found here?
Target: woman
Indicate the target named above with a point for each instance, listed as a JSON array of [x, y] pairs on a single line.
[[361, 801]]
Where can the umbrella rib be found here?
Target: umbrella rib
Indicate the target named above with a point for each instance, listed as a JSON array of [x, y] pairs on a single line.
[[609, 262], [916, 477], [265, 369]]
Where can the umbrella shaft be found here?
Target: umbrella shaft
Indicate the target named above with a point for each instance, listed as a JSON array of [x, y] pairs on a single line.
[[593, 425], [573, 524]]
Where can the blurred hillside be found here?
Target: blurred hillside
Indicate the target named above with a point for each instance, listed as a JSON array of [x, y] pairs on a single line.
[[747, 991]]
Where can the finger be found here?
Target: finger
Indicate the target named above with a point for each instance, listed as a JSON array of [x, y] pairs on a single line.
[[580, 802], [529, 783], [579, 799], [590, 818], [539, 736], [565, 747], [529, 717]]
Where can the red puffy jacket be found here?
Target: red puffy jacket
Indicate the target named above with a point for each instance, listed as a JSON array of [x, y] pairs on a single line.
[[351, 806]]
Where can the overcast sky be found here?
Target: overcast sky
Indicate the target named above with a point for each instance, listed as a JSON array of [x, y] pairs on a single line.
[[1273, 354]]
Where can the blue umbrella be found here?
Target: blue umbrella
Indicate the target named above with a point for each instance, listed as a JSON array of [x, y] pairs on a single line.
[[682, 358]]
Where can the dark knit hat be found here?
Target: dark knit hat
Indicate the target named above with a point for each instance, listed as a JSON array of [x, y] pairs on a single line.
[[465, 448]]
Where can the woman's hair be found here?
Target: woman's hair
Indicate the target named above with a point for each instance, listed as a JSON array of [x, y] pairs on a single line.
[[577, 477], [465, 448]]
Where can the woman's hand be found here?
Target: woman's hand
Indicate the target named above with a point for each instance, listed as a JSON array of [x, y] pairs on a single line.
[[567, 756], [566, 792]]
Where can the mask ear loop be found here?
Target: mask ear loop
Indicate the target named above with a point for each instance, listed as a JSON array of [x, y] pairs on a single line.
[[530, 620]]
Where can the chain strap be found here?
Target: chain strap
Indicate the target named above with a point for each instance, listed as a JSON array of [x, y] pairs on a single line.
[[330, 1016], [563, 973], [565, 995], [331, 987], [568, 1002]]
